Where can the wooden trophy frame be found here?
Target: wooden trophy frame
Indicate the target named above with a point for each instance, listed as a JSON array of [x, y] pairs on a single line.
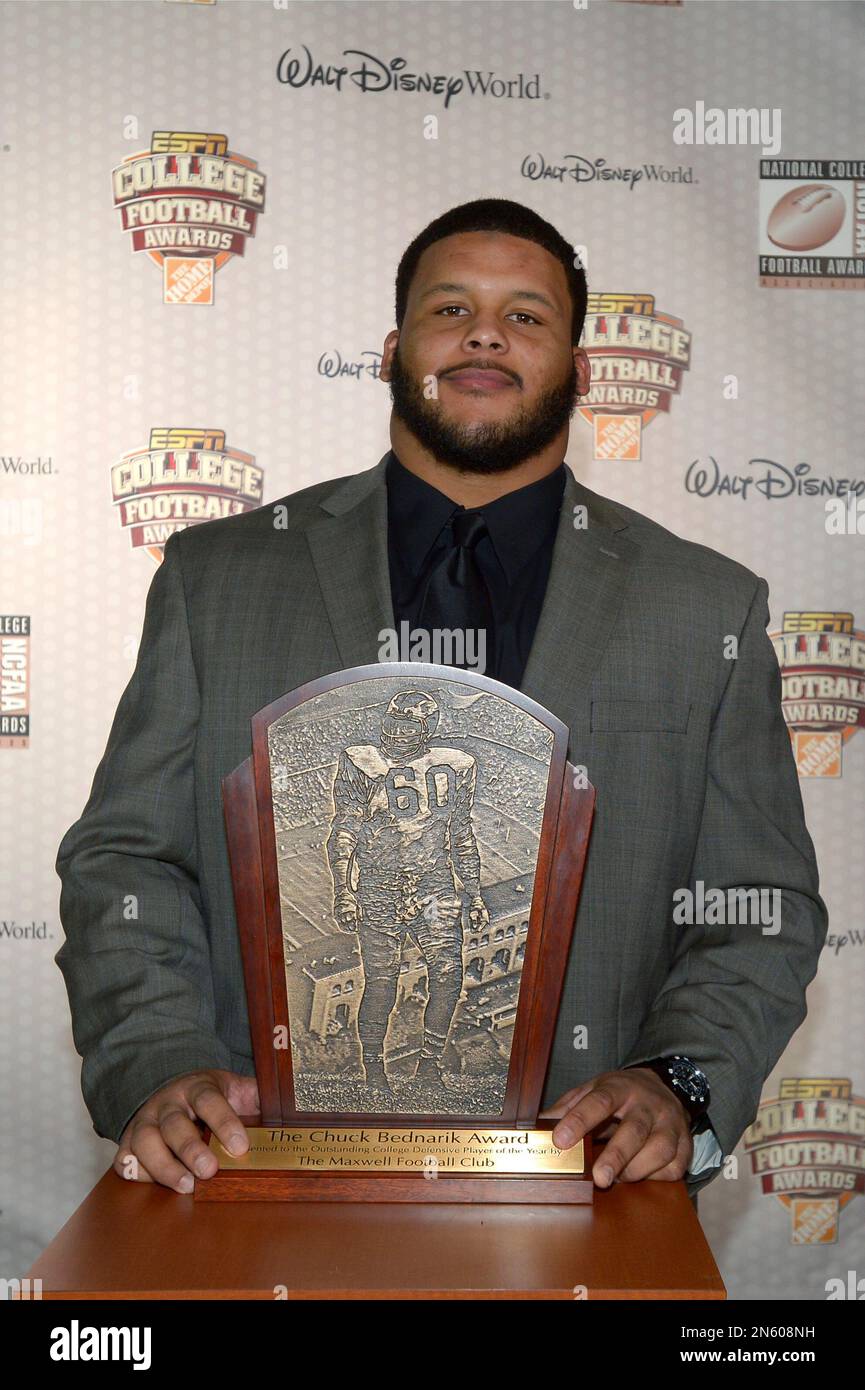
[[565, 829]]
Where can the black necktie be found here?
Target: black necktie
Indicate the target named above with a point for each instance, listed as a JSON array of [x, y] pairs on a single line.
[[456, 595]]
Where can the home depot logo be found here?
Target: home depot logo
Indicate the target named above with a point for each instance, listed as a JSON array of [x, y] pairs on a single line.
[[822, 660], [185, 476], [190, 204], [639, 357], [808, 1149]]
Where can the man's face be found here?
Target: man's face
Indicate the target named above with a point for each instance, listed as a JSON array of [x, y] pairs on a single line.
[[483, 372]]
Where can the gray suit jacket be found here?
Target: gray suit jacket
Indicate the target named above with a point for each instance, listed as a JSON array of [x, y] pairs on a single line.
[[687, 749]]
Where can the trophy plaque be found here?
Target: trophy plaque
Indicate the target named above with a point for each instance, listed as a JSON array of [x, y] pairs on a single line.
[[407, 844]]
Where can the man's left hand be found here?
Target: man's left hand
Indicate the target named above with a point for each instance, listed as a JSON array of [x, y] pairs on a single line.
[[651, 1139]]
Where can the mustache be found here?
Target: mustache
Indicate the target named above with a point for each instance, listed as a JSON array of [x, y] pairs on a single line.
[[482, 367]]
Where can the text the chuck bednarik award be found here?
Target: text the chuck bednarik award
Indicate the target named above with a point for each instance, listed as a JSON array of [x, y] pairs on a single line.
[[407, 845]]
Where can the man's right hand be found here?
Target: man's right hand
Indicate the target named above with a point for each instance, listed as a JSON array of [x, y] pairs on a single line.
[[162, 1142]]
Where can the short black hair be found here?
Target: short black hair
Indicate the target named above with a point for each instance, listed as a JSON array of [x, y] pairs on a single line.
[[497, 215]]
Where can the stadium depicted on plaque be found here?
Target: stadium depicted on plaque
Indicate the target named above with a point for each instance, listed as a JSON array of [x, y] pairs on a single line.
[[407, 816]]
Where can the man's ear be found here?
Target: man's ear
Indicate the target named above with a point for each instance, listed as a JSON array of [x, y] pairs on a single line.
[[583, 365], [388, 351]]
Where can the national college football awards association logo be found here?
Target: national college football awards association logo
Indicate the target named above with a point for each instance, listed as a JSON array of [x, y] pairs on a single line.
[[822, 660], [808, 1150], [812, 224], [185, 476], [190, 204], [639, 357]]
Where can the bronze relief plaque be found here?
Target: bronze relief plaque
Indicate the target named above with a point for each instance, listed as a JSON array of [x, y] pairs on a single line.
[[407, 817]]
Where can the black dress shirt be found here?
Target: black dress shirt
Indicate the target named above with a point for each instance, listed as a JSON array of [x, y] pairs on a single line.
[[514, 557]]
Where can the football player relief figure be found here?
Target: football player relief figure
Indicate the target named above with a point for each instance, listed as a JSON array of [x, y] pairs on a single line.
[[407, 812], [402, 853]]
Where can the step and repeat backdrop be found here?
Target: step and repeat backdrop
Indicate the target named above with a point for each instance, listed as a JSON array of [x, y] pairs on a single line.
[[204, 205]]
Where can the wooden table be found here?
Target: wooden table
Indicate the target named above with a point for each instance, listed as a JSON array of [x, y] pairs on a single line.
[[140, 1240]]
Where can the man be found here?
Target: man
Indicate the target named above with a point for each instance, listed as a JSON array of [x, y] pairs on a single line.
[[620, 628], [406, 836]]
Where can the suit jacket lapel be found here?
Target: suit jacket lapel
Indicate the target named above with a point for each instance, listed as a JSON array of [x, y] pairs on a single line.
[[349, 551], [589, 574]]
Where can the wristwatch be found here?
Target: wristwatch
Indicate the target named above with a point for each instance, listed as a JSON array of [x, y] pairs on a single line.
[[685, 1080]]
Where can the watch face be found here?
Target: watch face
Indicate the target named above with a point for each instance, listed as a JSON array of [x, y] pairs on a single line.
[[689, 1079]]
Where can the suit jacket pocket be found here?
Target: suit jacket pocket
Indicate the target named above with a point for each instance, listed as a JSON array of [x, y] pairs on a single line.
[[640, 716]]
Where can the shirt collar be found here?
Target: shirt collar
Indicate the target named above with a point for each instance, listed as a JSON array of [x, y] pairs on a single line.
[[518, 523]]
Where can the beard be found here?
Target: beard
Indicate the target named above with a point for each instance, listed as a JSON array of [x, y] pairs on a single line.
[[486, 448]]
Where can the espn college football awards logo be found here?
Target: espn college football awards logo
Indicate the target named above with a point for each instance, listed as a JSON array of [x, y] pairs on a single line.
[[185, 476], [822, 660], [190, 203], [808, 1149], [14, 680], [639, 356]]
